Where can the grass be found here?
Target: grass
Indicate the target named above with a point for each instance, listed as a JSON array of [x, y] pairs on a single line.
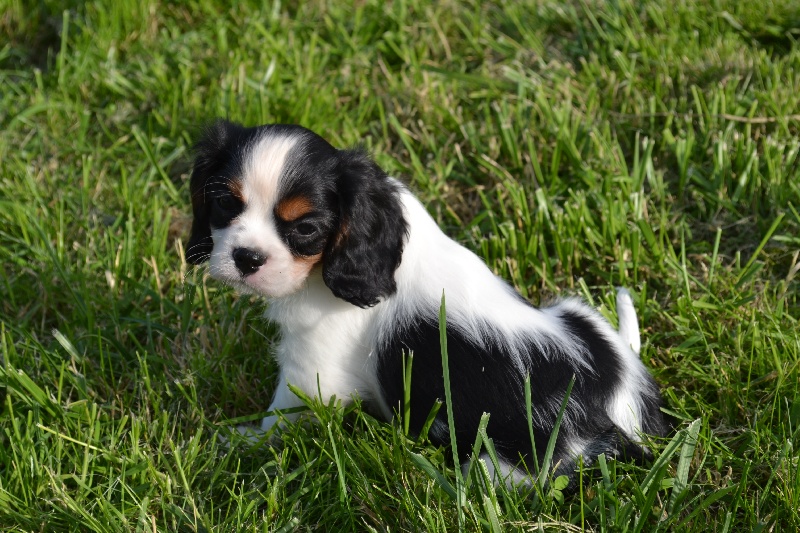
[[576, 146]]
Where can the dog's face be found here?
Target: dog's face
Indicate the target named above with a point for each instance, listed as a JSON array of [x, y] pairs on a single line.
[[274, 203]]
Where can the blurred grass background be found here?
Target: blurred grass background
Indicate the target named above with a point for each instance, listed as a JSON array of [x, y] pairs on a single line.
[[575, 145]]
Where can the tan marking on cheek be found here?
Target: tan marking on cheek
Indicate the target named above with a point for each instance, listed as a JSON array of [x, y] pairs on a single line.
[[302, 266], [293, 208]]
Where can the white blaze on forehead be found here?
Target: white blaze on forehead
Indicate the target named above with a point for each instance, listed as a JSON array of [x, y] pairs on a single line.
[[263, 166]]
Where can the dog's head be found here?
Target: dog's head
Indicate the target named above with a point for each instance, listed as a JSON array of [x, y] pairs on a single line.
[[273, 203]]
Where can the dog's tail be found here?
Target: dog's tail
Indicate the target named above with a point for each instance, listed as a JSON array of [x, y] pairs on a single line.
[[628, 324]]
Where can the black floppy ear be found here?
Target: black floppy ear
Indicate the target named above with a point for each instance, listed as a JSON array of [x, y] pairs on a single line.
[[208, 151], [360, 260]]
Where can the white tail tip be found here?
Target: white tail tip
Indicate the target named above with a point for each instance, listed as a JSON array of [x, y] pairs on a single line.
[[628, 323]]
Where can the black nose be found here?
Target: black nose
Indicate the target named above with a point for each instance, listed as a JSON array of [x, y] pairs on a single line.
[[247, 260]]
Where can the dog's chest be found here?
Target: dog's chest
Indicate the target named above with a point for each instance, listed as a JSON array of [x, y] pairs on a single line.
[[327, 345]]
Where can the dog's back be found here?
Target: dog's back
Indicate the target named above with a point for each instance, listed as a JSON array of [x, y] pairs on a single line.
[[495, 341]]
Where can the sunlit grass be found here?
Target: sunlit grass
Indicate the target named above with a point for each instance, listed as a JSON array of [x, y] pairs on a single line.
[[576, 146]]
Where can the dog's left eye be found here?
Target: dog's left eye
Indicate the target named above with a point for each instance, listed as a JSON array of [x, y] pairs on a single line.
[[227, 202], [305, 229]]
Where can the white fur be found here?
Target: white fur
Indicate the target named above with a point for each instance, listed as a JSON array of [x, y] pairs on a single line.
[[508, 474], [625, 408], [628, 325]]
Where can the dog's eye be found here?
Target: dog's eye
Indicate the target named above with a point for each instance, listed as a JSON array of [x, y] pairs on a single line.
[[305, 229], [227, 202]]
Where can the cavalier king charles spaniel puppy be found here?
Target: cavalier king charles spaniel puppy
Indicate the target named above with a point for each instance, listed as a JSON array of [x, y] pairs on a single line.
[[353, 268]]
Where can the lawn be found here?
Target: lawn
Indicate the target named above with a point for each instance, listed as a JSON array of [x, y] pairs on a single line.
[[576, 146]]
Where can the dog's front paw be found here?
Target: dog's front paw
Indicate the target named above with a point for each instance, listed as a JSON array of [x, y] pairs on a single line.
[[251, 434], [246, 435], [269, 422]]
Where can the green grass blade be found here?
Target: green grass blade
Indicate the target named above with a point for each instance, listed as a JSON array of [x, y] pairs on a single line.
[[544, 474], [460, 489]]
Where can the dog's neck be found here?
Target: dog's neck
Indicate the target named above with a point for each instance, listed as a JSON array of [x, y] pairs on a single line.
[[314, 307], [326, 343]]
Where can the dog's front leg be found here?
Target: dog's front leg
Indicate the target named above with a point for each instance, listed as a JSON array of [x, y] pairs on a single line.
[[284, 399]]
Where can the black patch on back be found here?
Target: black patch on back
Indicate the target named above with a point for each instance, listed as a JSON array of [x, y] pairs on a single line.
[[484, 379]]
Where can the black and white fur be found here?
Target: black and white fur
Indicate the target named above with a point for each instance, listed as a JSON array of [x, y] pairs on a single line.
[[353, 268]]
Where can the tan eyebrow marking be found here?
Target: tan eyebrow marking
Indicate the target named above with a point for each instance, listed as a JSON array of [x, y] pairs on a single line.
[[235, 186], [293, 208]]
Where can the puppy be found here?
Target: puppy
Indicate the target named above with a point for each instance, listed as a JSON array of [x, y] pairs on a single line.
[[354, 269]]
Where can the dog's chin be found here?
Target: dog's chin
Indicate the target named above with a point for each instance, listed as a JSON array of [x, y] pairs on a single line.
[[259, 287]]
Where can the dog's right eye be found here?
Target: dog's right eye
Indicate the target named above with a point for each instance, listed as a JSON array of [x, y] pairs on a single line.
[[305, 229], [227, 202]]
